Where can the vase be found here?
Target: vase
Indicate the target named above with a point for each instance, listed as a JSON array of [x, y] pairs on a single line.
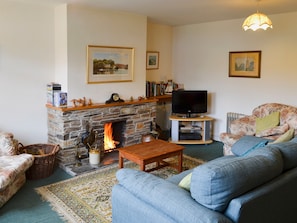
[[94, 157]]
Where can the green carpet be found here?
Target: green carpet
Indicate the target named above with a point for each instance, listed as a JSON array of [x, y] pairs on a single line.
[[27, 207]]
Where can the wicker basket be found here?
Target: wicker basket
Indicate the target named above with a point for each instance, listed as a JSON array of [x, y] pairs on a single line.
[[44, 160]]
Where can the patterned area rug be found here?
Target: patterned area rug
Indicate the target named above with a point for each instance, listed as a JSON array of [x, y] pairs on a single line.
[[87, 198]]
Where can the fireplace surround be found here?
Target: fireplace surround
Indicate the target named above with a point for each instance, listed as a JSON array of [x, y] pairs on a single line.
[[66, 125]]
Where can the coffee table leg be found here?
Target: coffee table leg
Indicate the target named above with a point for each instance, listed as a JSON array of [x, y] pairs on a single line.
[[180, 162], [120, 161], [142, 166]]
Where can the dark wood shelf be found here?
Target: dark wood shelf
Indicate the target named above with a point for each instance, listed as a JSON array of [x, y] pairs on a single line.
[[162, 98]]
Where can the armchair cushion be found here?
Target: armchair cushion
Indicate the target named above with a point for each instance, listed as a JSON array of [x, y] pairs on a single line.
[[244, 126], [12, 166], [277, 130]]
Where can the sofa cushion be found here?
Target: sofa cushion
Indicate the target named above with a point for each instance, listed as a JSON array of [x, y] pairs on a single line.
[[215, 183], [288, 151], [267, 122], [164, 196], [248, 143]]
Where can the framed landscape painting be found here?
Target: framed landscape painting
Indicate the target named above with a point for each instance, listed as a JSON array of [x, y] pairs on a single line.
[[245, 64], [109, 64]]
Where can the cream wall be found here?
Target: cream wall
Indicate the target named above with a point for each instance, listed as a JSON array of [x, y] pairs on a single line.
[[159, 38], [87, 26], [200, 61]]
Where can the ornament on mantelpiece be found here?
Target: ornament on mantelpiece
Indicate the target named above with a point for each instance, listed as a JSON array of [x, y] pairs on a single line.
[[81, 102]]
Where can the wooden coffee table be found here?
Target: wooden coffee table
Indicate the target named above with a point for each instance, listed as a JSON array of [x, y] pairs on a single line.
[[150, 152]]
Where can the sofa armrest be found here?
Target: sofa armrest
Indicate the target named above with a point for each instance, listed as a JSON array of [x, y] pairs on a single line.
[[166, 197]]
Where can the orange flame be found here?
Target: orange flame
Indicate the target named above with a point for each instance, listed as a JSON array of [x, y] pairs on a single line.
[[109, 143]]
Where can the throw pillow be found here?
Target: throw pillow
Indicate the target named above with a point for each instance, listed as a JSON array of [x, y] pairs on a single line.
[[267, 122], [247, 144], [186, 182], [285, 137]]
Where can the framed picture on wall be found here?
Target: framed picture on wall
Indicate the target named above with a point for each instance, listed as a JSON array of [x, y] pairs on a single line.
[[245, 64], [109, 64], [152, 60]]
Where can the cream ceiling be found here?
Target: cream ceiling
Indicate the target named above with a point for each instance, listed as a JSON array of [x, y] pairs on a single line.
[[181, 12]]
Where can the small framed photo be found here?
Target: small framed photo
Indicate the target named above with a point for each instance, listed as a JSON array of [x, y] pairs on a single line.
[[109, 64], [152, 60], [245, 64]]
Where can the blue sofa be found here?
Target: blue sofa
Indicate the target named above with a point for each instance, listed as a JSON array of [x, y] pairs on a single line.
[[254, 185]]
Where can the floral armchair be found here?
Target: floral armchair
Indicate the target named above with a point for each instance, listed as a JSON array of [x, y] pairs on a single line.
[[12, 167], [247, 125]]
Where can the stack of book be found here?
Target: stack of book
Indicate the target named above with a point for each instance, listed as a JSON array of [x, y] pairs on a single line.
[[51, 89], [155, 89], [55, 96]]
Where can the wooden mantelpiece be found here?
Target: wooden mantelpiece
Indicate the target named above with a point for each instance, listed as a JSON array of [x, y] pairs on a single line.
[[101, 105]]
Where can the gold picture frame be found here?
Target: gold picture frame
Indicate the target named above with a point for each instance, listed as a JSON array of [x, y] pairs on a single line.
[[109, 64], [152, 60], [245, 64]]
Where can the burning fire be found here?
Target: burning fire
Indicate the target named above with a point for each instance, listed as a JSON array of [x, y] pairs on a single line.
[[109, 143]]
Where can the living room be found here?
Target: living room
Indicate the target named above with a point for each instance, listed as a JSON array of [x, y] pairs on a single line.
[[41, 43]]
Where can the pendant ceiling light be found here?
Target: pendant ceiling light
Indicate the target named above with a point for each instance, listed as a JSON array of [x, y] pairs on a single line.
[[257, 21]]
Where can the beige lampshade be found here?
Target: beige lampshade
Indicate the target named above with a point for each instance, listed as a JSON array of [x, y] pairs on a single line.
[[257, 21]]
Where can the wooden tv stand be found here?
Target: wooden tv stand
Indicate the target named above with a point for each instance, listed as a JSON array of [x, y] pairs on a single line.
[[190, 130]]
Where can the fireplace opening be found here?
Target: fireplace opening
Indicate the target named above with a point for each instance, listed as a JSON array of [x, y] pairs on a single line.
[[113, 135]]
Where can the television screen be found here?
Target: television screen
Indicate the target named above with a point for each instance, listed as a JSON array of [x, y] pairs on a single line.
[[188, 102]]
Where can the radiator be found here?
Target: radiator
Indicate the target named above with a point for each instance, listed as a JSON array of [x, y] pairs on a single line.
[[231, 116]]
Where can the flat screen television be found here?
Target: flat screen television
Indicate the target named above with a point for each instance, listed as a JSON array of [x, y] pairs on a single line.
[[189, 103]]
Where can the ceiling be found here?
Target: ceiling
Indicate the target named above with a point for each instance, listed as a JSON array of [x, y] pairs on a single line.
[[182, 12]]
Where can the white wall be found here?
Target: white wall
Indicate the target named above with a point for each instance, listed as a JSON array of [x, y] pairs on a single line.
[[200, 61], [61, 54], [26, 66], [42, 43]]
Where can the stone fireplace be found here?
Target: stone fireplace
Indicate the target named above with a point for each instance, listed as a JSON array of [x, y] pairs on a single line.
[[129, 121]]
